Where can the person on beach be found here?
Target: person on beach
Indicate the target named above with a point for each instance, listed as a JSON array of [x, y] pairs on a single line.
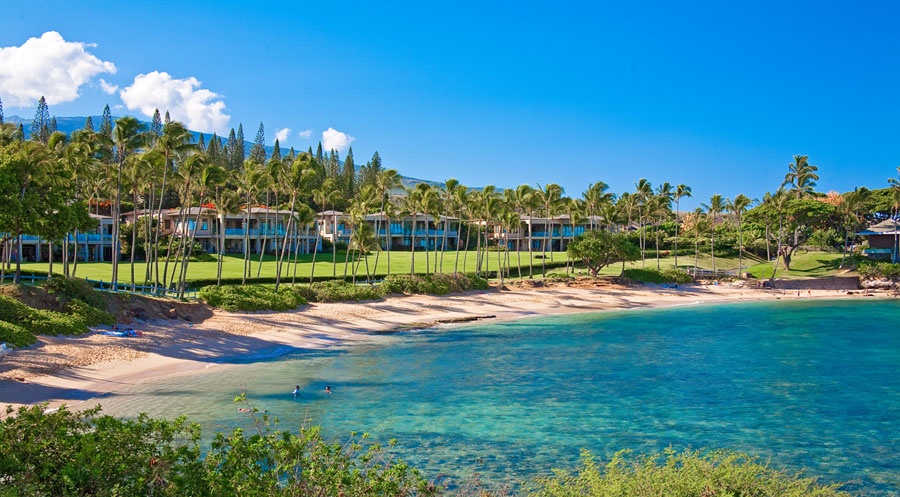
[[328, 390], [296, 391]]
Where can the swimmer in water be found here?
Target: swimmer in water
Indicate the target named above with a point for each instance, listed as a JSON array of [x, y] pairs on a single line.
[[296, 391], [328, 390]]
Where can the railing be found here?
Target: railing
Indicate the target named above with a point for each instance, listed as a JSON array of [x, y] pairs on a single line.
[[153, 290], [106, 286]]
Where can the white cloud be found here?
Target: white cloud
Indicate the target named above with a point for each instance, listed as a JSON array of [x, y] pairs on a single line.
[[282, 134], [108, 88], [305, 134], [48, 66], [333, 139], [198, 108]]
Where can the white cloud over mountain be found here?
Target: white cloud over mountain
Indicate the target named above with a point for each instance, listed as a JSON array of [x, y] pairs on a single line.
[[333, 139], [198, 108], [48, 66], [282, 134]]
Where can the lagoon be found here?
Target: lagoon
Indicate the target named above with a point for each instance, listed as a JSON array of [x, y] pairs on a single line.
[[803, 384]]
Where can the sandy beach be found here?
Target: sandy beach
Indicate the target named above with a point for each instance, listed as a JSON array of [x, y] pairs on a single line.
[[74, 370]]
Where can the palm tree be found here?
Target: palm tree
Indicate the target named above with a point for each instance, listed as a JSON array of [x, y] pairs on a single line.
[[574, 208], [594, 197], [738, 206], [523, 199], [852, 205], [410, 207], [801, 176], [680, 191], [642, 194], [128, 137], [387, 181], [895, 191], [715, 207], [549, 196], [298, 176], [447, 201], [175, 141], [250, 183], [661, 210], [328, 193], [428, 202], [462, 200]]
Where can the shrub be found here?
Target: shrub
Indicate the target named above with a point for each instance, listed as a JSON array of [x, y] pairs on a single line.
[[66, 452], [67, 289], [44, 322], [13, 311], [874, 270], [340, 290], [433, 284], [249, 298], [91, 315], [687, 473], [658, 276], [15, 336]]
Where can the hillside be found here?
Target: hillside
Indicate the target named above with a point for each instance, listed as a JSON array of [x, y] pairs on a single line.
[[68, 125]]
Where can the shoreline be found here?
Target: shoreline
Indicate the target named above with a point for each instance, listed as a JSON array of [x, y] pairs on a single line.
[[77, 370]]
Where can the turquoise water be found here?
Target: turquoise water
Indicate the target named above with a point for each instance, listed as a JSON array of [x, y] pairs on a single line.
[[810, 385]]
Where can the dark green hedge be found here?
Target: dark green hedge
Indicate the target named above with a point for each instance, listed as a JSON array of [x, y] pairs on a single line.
[[251, 298]]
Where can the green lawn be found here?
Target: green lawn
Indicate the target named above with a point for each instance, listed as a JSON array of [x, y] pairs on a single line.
[[804, 265]]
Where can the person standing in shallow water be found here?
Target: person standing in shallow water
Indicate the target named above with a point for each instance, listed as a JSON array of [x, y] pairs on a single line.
[[296, 391], [328, 390]]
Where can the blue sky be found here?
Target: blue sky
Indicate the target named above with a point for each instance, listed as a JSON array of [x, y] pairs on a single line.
[[716, 95]]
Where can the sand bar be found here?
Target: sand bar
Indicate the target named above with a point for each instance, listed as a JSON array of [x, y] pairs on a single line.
[[66, 370]]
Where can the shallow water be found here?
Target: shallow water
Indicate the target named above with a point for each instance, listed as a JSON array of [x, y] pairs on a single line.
[[808, 385]]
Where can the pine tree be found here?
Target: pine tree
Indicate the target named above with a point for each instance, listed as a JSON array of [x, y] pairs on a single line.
[[1, 111], [214, 150], [106, 122], [241, 151], [156, 126], [201, 143], [231, 147], [276, 152], [348, 175], [40, 126], [167, 119], [89, 124], [319, 155], [368, 174], [53, 127], [258, 150]]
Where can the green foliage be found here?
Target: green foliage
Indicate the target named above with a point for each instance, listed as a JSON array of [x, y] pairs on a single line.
[[686, 474], [67, 289], [90, 315], [433, 284], [251, 298], [598, 249], [46, 322], [39, 321], [826, 239], [340, 291], [658, 276], [874, 270], [15, 336], [64, 453]]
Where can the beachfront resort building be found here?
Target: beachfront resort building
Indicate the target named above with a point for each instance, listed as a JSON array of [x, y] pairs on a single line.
[[93, 245], [431, 232], [258, 228], [882, 238], [545, 234]]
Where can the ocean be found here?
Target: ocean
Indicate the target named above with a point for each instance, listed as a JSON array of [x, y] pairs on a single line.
[[805, 385]]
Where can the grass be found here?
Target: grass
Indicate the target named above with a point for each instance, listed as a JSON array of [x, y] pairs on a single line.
[[804, 265]]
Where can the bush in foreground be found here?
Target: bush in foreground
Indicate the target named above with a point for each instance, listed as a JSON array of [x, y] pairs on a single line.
[[685, 474], [249, 298], [65, 453], [341, 291]]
